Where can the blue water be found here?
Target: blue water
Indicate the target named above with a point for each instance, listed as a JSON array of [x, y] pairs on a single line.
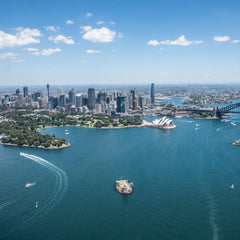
[[181, 177]]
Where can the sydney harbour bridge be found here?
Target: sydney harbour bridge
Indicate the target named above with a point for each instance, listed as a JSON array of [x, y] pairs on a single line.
[[217, 111]]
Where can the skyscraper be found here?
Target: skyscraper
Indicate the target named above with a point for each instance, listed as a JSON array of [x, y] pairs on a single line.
[[152, 93], [17, 91], [121, 104], [25, 91], [91, 98], [62, 101], [72, 97]]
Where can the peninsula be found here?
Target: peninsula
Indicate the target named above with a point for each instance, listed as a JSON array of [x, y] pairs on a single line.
[[20, 127]]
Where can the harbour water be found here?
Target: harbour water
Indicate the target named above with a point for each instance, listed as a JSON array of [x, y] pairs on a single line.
[[181, 177]]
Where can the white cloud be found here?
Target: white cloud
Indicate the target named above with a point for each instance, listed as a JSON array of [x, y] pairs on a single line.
[[61, 38], [52, 28], [23, 37], [235, 41], [153, 42], [69, 22], [50, 51], [182, 41], [8, 55], [100, 22], [33, 51], [88, 14], [222, 38], [44, 52], [92, 51], [98, 34]]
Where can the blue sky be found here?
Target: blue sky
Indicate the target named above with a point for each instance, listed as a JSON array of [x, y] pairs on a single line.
[[119, 42]]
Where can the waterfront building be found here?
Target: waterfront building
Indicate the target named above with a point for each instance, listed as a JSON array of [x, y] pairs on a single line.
[[25, 91], [72, 97], [152, 93], [91, 98]]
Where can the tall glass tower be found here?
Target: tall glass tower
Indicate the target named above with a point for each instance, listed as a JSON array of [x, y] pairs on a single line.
[[91, 98], [152, 93]]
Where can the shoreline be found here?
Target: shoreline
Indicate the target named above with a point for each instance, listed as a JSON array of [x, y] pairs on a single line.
[[110, 127], [41, 147]]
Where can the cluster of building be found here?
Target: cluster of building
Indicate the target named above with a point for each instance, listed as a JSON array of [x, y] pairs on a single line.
[[98, 102]]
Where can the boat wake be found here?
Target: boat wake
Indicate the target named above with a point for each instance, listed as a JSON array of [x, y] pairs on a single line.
[[44, 207], [61, 177], [212, 218]]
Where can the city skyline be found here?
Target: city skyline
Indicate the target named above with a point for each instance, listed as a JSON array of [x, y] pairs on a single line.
[[92, 43]]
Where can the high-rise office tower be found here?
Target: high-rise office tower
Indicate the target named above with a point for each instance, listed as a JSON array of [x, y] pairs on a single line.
[[91, 98], [25, 91], [152, 93], [79, 101], [72, 97], [121, 104], [101, 97], [18, 91], [62, 101], [141, 102]]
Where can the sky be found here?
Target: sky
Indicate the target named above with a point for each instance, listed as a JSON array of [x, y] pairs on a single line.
[[78, 42]]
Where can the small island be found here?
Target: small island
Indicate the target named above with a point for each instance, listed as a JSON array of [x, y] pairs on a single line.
[[20, 127]]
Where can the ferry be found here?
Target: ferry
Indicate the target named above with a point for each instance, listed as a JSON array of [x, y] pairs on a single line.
[[124, 186], [237, 142]]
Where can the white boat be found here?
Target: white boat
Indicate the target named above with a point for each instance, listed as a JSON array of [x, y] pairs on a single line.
[[36, 204], [232, 186], [67, 133], [28, 185]]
